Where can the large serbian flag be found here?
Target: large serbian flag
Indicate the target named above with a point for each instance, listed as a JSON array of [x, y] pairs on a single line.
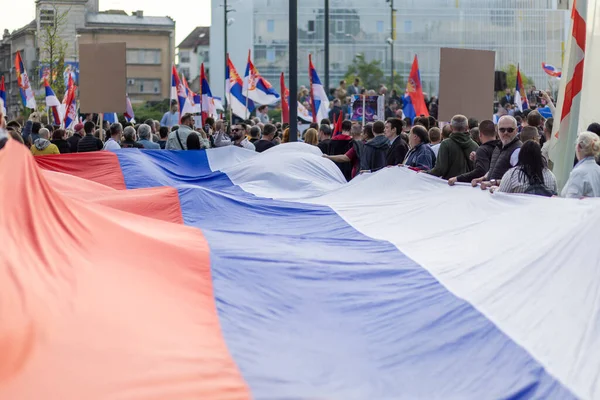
[[231, 274]]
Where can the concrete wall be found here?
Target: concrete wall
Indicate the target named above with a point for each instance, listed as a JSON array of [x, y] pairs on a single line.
[[75, 20]]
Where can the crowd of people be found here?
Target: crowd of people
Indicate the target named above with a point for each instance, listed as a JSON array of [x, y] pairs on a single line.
[[508, 156]]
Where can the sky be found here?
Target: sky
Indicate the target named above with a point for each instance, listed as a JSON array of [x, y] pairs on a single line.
[[187, 14]]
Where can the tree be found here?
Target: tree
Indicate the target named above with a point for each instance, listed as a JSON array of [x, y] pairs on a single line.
[[511, 77], [370, 73], [53, 47]]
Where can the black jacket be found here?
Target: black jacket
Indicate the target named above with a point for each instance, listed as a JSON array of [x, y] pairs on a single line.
[[89, 143], [482, 164], [130, 144], [63, 145], [73, 142], [373, 155], [397, 152], [501, 159], [324, 146], [340, 144], [334, 114]]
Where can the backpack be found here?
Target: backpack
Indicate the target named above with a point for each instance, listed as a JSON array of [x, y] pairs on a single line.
[[536, 187]]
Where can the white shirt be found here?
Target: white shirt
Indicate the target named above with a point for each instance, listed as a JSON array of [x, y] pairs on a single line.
[[584, 180], [111, 144], [515, 181], [246, 144], [436, 148]]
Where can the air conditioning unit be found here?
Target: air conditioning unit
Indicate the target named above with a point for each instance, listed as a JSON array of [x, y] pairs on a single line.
[[130, 82]]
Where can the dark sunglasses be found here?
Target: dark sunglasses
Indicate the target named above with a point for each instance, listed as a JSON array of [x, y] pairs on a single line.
[[509, 130], [235, 130]]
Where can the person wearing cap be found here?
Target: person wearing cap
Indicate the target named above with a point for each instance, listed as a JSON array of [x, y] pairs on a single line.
[[420, 157], [77, 135], [171, 117]]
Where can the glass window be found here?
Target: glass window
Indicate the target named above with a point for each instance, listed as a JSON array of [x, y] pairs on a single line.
[[271, 55], [339, 26], [184, 57], [270, 25], [143, 86], [143, 56], [380, 26]]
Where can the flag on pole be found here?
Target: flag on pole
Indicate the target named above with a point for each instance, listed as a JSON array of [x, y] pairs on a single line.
[[235, 95], [111, 118], [285, 107], [258, 88], [129, 114], [192, 106], [70, 105], [2, 96], [178, 92], [562, 145], [414, 91], [318, 96], [207, 102], [27, 96], [52, 102], [520, 97]]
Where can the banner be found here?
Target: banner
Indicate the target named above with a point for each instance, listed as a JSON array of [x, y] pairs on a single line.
[[374, 108]]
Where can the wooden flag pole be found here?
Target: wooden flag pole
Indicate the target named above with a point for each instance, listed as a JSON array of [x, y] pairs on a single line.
[[100, 122]]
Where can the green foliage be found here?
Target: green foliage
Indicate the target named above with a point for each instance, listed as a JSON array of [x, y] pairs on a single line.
[[511, 77], [275, 114], [53, 48], [370, 73], [151, 110]]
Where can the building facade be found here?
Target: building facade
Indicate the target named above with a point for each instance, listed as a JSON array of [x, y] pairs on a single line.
[[150, 46], [193, 51], [525, 32]]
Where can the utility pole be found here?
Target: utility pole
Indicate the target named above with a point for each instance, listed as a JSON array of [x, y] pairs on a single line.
[[326, 22], [293, 75]]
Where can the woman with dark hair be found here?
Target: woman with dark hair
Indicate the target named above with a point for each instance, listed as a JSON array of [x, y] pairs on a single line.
[[193, 141], [368, 132], [420, 156], [530, 176]]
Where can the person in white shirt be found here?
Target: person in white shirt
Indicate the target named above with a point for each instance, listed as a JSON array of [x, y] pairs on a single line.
[[435, 139], [584, 180], [116, 130], [263, 114]]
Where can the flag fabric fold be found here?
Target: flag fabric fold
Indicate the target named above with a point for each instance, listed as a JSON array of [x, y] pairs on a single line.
[[318, 96], [551, 70], [179, 93], [27, 95], [520, 96], [235, 95], [2, 96], [206, 100], [52, 103], [285, 107], [256, 87], [414, 91], [129, 114], [562, 145]]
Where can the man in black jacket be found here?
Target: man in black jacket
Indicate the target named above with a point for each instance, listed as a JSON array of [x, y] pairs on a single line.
[[324, 138], [398, 147], [74, 140], [483, 155], [89, 142]]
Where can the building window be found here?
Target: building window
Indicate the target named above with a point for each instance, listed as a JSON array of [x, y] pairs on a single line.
[[143, 86], [408, 26], [184, 57], [143, 56], [271, 25], [339, 26], [185, 72], [271, 55], [379, 26], [46, 17]]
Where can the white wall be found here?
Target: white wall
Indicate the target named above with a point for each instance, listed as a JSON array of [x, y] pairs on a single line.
[[240, 40]]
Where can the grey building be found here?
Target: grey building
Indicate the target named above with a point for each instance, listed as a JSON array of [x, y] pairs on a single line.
[[525, 32]]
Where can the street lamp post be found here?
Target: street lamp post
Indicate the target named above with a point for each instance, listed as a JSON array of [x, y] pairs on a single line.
[[293, 75], [391, 41], [326, 22]]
